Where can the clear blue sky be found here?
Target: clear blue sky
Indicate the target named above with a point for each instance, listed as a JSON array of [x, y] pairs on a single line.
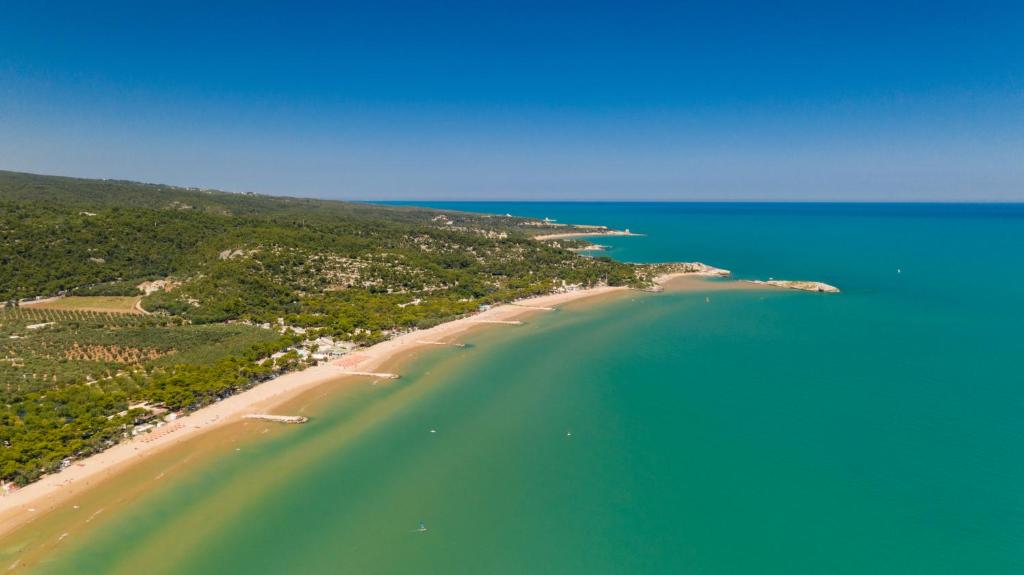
[[534, 100]]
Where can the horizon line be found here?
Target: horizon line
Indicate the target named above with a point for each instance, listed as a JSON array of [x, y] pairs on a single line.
[[556, 200], [693, 201]]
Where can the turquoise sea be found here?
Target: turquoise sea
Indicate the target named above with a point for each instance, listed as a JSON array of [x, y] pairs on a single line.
[[876, 431]]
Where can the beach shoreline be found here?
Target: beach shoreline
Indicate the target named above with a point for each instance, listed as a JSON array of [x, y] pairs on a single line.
[[35, 500], [21, 507]]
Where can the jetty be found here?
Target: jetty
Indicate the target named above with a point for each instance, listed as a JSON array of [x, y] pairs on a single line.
[[277, 418], [429, 342], [380, 374], [499, 321]]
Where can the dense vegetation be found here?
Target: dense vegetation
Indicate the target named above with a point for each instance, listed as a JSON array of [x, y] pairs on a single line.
[[67, 377], [230, 263]]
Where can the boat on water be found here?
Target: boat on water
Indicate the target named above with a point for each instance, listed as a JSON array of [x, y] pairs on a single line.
[[422, 528]]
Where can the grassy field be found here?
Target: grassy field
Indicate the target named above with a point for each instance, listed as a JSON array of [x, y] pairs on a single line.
[[100, 303]]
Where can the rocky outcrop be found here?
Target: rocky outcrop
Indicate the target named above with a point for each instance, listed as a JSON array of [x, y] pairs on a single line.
[[798, 285], [581, 233], [589, 248], [166, 285], [665, 271]]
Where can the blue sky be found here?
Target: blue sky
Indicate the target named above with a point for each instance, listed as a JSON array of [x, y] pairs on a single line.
[[523, 100]]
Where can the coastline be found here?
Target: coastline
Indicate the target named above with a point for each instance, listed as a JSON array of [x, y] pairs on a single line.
[[37, 499], [569, 235]]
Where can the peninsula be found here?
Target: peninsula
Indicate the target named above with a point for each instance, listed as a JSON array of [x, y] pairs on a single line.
[[582, 232], [797, 285]]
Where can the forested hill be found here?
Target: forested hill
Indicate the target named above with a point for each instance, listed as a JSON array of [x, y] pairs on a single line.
[[231, 279], [92, 194], [64, 234]]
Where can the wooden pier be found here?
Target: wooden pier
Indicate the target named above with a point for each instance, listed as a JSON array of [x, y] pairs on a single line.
[[277, 418]]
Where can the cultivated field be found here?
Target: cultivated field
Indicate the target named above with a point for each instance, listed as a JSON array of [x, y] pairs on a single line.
[[99, 303], [41, 348]]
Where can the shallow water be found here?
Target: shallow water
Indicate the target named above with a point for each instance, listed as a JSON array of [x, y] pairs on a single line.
[[763, 431]]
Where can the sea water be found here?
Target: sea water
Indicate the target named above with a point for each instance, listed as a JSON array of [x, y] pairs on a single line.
[[880, 430]]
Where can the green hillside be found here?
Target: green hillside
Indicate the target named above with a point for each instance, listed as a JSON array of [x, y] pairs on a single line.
[[242, 276]]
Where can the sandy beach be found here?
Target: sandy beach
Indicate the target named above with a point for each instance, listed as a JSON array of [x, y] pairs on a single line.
[[34, 500]]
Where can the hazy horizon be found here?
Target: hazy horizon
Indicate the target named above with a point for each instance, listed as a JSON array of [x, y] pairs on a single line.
[[512, 200], [731, 101]]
